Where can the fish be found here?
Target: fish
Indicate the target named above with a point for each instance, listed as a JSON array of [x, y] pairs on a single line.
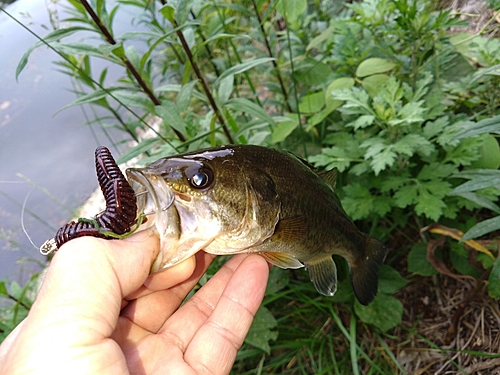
[[254, 199]]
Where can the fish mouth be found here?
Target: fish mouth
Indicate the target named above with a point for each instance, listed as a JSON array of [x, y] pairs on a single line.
[[155, 201]]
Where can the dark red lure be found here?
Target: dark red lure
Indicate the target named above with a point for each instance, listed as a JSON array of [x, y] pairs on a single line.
[[121, 207]]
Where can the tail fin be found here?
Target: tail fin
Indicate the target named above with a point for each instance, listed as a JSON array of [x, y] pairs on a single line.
[[364, 273]]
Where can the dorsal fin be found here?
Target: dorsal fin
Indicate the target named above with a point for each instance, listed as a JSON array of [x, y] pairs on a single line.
[[330, 176]]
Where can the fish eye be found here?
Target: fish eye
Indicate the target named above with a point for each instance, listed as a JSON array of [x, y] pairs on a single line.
[[202, 178]]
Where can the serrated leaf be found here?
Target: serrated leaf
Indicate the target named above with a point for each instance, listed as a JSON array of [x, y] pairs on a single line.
[[385, 312], [433, 128], [406, 195], [410, 113], [374, 65], [260, 332], [482, 228], [429, 204], [361, 122], [333, 157], [357, 101], [436, 170], [243, 67], [494, 280]]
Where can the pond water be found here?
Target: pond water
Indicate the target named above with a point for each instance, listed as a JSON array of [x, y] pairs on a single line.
[[53, 151]]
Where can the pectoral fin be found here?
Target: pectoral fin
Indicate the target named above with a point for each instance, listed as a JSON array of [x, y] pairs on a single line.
[[282, 260], [323, 274]]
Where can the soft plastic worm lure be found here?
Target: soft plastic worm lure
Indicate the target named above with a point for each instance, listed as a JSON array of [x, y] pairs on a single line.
[[118, 217]]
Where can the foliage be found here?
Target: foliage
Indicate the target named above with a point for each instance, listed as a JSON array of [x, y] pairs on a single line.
[[15, 303], [377, 89]]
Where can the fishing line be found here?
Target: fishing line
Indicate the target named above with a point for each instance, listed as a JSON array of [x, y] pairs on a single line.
[[22, 219]]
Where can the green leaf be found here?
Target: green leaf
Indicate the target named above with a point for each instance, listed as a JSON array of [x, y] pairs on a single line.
[[3, 289], [374, 65], [144, 146], [285, 128], [226, 87], [134, 100], [291, 9], [463, 265], [390, 281], [184, 96], [494, 281], [87, 49], [323, 36], [482, 228], [312, 103], [417, 261], [92, 97], [477, 184], [170, 114], [471, 129], [278, 279], [49, 38], [479, 200], [373, 84], [243, 67], [337, 84], [168, 12], [361, 122], [312, 72], [333, 157], [357, 101], [247, 106], [260, 332], [385, 312]]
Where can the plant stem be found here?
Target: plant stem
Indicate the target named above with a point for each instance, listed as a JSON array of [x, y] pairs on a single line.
[[197, 71], [270, 53], [109, 38]]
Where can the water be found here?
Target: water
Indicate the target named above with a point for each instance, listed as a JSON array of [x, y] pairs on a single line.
[[55, 152]]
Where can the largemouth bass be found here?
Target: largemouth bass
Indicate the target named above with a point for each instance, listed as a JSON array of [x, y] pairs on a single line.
[[253, 199]]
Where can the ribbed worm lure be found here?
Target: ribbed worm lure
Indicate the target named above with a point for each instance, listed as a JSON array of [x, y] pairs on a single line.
[[118, 217]]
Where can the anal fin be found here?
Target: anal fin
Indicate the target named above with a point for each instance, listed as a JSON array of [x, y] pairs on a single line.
[[323, 274], [282, 260]]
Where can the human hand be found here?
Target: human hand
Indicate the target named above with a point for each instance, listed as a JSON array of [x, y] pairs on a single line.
[[98, 312]]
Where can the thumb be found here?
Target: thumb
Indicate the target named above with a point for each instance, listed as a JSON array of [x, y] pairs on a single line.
[[89, 277]]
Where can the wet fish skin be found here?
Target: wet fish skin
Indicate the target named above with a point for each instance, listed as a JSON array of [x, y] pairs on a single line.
[[258, 199]]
